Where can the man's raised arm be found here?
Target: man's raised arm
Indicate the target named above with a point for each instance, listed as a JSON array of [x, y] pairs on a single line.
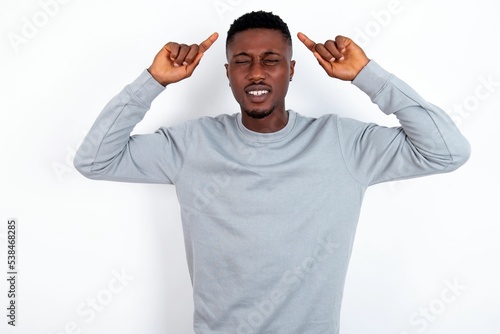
[[427, 142], [108, 151]]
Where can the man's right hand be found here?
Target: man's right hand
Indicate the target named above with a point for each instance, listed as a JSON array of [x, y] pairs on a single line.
[[176, 62]]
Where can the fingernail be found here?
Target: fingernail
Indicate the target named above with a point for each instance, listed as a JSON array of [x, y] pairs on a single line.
[[185, 63], [332, 60], [176, 65]]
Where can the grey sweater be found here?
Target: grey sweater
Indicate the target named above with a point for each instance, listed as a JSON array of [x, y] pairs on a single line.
[[269, 219]]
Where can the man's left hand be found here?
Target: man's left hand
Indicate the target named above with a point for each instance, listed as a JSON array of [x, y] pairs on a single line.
[[342, 58]]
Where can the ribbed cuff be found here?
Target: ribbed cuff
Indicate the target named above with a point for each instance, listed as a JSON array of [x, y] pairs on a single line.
[[146, 88], [372, 79]]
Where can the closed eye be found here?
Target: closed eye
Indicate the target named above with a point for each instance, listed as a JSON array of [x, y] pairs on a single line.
[[271, 61]]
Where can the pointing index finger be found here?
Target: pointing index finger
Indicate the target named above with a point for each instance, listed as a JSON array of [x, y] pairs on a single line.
[[206, 44], [310, 44]]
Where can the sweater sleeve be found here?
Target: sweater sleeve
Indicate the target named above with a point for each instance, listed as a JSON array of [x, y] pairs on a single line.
[[427, 142], [109, 152]]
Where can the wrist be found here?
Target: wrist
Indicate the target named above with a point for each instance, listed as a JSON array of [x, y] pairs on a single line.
[[360, 68], [145, 87], [157, 77]]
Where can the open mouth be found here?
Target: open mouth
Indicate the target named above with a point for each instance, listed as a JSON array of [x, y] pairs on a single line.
[[258, 92]]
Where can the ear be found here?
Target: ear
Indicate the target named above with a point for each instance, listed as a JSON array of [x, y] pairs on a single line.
[[227, 73], [292, 69]]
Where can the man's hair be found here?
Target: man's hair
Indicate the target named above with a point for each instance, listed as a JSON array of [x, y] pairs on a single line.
[[258, 20]]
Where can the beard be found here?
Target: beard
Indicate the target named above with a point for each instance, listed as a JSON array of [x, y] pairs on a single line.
[[259, 114]]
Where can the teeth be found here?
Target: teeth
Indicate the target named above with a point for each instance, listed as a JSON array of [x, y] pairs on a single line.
[[258, 92]]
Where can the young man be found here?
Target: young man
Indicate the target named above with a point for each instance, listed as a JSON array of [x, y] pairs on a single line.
[[269, 198]]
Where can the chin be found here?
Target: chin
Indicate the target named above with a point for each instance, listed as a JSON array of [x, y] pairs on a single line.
[[258, 113]]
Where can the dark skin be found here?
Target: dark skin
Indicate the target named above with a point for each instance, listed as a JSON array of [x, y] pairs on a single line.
[[260, 69]]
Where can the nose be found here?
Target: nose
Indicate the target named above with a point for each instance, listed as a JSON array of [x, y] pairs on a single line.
[[257, 72]]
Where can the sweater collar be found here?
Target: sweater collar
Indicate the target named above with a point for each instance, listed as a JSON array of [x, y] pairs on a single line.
[[267, 137]]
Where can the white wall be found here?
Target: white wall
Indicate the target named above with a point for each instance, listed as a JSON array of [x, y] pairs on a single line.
[[415, 239]]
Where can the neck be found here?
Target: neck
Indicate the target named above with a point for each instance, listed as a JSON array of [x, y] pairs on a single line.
[[272, 123]]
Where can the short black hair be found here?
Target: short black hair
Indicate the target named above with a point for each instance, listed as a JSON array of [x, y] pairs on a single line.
[[258, 20]]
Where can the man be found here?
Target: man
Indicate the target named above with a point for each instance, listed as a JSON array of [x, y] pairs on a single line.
[[269, 198]]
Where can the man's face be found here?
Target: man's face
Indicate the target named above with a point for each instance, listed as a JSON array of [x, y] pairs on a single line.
[[259, 70]]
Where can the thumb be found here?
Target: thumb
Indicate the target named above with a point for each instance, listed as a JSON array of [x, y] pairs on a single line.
[[204, 46]]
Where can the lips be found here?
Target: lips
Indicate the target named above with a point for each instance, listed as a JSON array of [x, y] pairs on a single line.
[[257, 93]]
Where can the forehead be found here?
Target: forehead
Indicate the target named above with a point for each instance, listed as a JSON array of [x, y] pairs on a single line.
[[258, 41]]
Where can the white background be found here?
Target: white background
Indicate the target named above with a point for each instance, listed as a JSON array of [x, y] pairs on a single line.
[[415, 237]]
